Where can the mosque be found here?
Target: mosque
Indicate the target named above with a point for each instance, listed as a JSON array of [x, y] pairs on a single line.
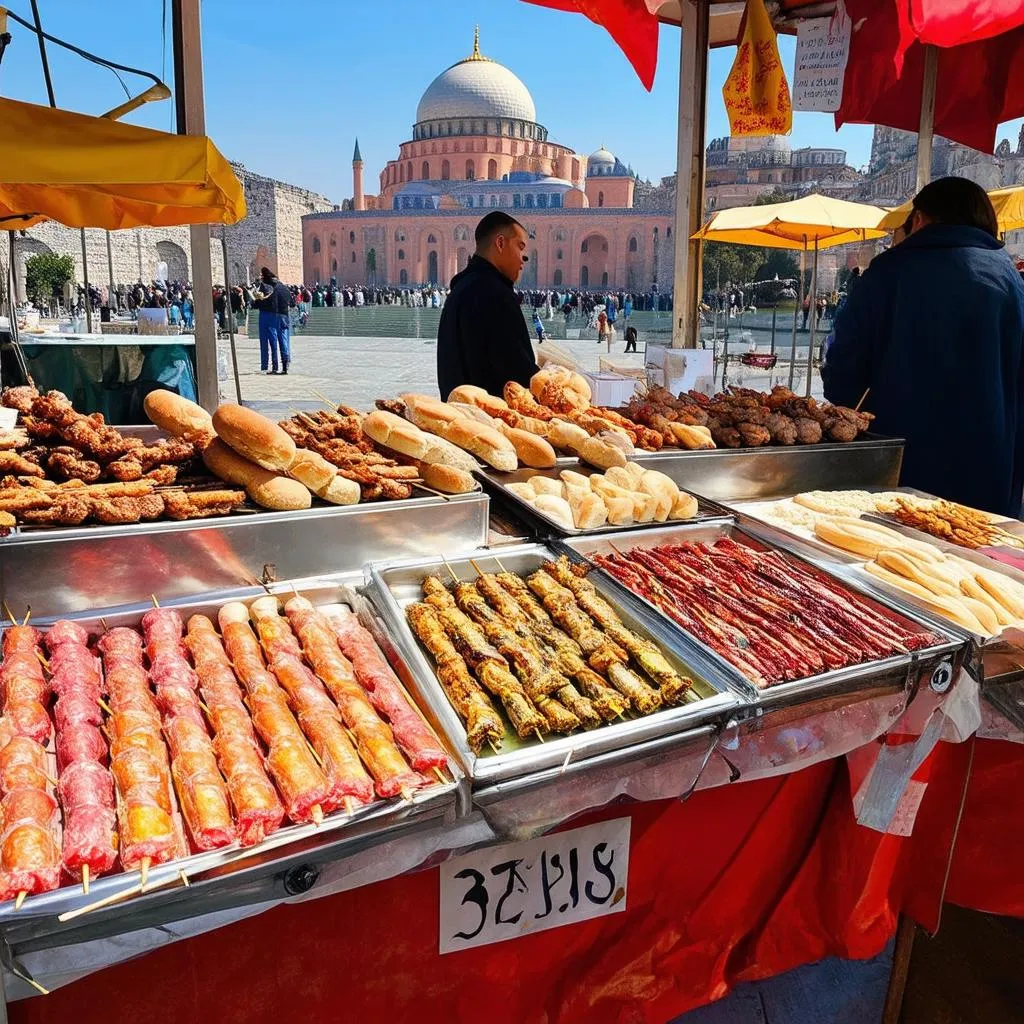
[[477, 145]]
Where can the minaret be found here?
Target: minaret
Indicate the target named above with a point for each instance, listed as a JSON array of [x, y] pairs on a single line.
[[358, 202]]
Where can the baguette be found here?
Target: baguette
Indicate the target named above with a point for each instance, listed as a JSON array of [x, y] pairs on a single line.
[[254, 437], [970, 587], [532, 451], [430, 414], [906, 567], [566, 436], [270, 490], [392, 431], [483, 442], [312, 469], [946, 607], [341, 491], [447, 479], [178, 416], [984, 614], [601, 454], [691, 437], [1007, 592], [490, 404]]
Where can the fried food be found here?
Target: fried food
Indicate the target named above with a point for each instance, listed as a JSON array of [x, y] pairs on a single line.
[[66, 463], [64, 510], [20, 398], [197, 504], [126, 510], [12, 462]]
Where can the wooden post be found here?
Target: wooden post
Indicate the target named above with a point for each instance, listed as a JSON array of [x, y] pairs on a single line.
[[693, 79], [926, 127], [191, 117]]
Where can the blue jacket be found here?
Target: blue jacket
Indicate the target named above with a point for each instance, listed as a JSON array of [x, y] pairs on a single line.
[[936, 330]]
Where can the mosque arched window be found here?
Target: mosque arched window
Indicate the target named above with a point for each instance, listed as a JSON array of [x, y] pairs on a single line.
[[517, 200], [425, 170], [316, 244], [494, 200], [469, 202], [600, 199], [334, 266], [557, 279], [556, 200], [403, 276], [462, 234], [446, 171], [408, 171], [492, 170], [470, 171], [633, 246], [351, 238], [529, 200], [558, 254], [585, 246], [542, 200], [401, 254], [399, 236], [353, 257]]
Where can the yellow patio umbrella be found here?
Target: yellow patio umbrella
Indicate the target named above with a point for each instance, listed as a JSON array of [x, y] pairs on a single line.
[[1007, 202], [94, 172], [811, 223]]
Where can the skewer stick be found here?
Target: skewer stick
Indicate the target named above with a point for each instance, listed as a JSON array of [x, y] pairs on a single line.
[[9, 613], [21, 899], [479, 571], [28, 615], [31, 981], [103, 625], [317, 814], [407, 795], [490, 743], [323, 398], [867, 391], [440, 775], [501, 568], [184, 878], [316, 756], [134, 890], [144, 872], [349, 806], [536, 733], [105, 706], [156, 603], [51, 780], [451, 571], [85, 879]]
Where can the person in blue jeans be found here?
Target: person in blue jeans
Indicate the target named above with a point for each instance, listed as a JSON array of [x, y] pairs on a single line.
[[273, 304]]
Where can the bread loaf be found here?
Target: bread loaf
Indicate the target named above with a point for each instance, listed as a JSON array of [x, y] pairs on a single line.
[[393, 432], [447, 479], [490, 404], [571, 477], [429, 413], [311, 469], [524, 491], [270, 490], [898, 562], [546, 485], [567, 436], [254, 436], [340, 491], [970, 587], [588, 511], [620, 510], [601, 454], [1007, 592], [533, 451], [178, 416], [483, 442], [684, 507], [557, 509]]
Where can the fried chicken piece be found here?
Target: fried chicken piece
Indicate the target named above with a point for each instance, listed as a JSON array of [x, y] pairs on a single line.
[[7, 523], [37, 453], [41, 430], [166, 452], [199, 504], [393, 405], [726, 437], [18, 500], [54, 405], [66, 510], [20, 398], [163, 476], [67, 464], [128, 489], [808, 431], [122, 510], [754, 435], [12, 462], [781, 428], [13, 440], [755, 415], [124, 469]]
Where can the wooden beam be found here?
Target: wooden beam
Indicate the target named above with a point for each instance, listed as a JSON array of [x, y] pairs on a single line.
[[926, 127]]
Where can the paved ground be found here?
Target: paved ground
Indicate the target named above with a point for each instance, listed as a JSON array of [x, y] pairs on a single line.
[[356, 371]]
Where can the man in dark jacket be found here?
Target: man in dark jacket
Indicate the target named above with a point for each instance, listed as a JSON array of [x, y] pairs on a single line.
[[935, 329], [482, 338], [274, 322]]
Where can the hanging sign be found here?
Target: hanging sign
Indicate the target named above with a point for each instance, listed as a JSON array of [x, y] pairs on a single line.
[[503, 892], [822, 50]]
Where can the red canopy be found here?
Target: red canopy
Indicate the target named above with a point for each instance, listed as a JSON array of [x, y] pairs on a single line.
[[980, 82]]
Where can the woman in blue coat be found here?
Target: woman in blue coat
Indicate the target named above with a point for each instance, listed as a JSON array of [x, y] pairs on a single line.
[[935, 330]]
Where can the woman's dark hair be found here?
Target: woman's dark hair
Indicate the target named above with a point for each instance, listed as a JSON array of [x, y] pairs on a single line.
[[957, 201]]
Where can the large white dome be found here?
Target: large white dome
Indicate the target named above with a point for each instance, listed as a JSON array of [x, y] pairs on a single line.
[[476, 87]]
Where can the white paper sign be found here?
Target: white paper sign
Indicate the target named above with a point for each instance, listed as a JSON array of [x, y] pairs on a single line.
[[8, 418], [822, 50], [503, 892]]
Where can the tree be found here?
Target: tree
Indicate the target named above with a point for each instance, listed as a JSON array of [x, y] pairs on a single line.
[[46, 273], [726, 264], [775, 196], [781, 262]]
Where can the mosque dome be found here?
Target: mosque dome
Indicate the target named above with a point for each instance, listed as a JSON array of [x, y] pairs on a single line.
[[476, 87], [602, 156]]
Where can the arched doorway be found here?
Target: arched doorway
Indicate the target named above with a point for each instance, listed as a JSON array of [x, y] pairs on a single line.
[[584, 276], [403, 276], [593, 260], [371, 266], [432, 267], [174, 256]]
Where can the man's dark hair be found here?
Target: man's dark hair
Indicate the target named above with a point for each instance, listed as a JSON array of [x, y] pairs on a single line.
[[957, 201], [490, 225]]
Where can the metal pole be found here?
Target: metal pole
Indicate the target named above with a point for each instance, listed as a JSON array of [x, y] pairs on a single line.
[[188, 99], [775, 309], [693, 81], [814, 319], [926, 126], [230, 313], [796, 313], [85, 278], [110, 275]]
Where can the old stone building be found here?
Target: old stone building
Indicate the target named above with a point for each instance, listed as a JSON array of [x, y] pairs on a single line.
[[270, 235]]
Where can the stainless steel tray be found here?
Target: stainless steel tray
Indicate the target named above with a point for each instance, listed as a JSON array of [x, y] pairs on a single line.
[[907, 667], [748, 473], [65, 571], [395, 586], [291, 845], [497, 484]]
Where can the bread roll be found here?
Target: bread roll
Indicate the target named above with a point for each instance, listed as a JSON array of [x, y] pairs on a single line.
[[446, 479], [444, 453], [567, 436], [474, 412], [620, 510], [254, 436], [546, 485], [267, 489], [430, 414], [588, 511], [1007, 592], [601, 454], [393, 432], [488, 403], [533, 451], [644, 507], [468, 393], [524, 491], [341, 491], [557, 509], [636, 473], [312, 469], [574, 479], [484, 442], [573, 493], [684, 507], [620, 476], [981, 611], [178, 416], [662, 508], [661, 486]]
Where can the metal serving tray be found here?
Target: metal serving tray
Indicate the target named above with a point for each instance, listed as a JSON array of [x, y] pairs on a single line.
[[283, 864], [903, 669], [497, 484], [65, 571], [394, 586], [748, 473], [995, 660]]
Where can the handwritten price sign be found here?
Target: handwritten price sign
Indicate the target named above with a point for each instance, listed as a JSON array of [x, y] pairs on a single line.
[[504, 892]]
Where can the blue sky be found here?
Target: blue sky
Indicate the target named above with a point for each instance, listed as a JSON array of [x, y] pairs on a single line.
[[289, 87]]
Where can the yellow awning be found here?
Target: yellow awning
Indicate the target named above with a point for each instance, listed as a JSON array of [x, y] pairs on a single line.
[[796, 224], [97, 173], [1007, 202]]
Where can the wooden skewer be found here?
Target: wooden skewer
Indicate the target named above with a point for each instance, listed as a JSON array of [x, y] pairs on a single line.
[[51, 780], [206, 709], [349, 806], [28, 615], [323, 398], [105, 706], [85, 879], [31, 981], [501, 568], [184, 878], [856, 408], [9, 613], [42, 660], [317, 813], [156, 603], [316, 756], [407, 795], [479, 571], [144, 872], [490, 743], [103, 625], [440, 775], [134, 890], [21, 899], [451, 571], [536, 733]]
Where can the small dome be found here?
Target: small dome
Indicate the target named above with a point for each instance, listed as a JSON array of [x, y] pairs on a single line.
[[602, 156], [476, 87]]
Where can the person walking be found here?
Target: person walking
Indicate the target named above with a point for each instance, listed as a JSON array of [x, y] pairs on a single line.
[[274, 298], [630, 338]]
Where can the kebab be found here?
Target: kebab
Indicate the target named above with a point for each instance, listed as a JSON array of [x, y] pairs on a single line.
[[552, 643], [24, 685], [360, 662], [85, 786], [487, 663], [204, 797], [149, 829], [257, 807], [672, 686], [300, 780], [602, 653], [571, 709], [372, 737], [483, 723]]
